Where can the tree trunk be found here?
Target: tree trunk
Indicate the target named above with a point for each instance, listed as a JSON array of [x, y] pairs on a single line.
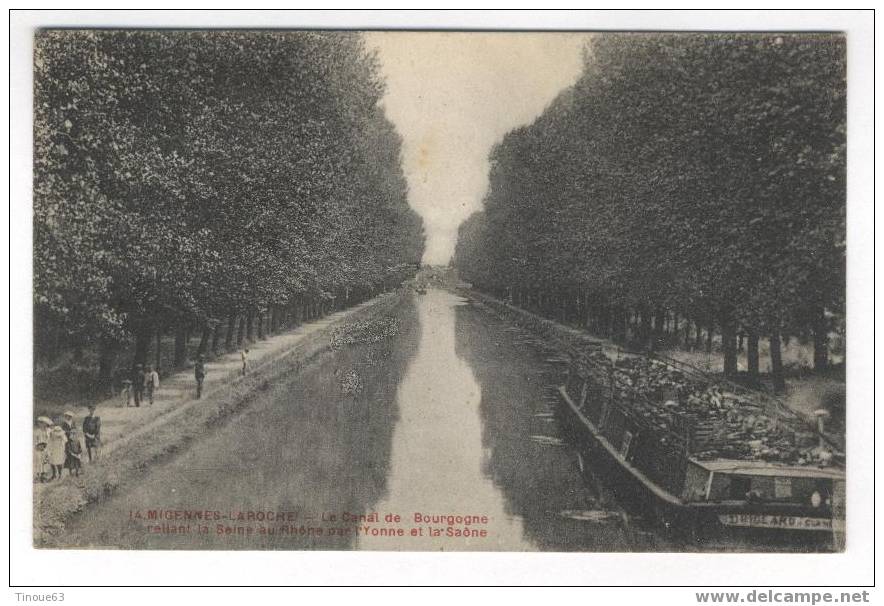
[[647, 337], [216, 337], [107, 357], [610, 320], [180, 346], [205, 335], [231, 330], [729, 345], [159, 349], [820, 341], [752, 354], [142, 346], [574, 315], [776, 362], [260, 325], [241, 330], [659, 329], [709, 329], [587, 311], [250, 327]]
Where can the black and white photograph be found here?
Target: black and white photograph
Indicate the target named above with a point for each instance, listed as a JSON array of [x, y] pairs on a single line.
[[441, 290]]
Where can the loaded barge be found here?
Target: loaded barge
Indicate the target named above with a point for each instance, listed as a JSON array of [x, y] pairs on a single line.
[[704, 458]]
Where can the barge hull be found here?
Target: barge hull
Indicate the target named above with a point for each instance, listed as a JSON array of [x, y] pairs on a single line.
[[699, 522]]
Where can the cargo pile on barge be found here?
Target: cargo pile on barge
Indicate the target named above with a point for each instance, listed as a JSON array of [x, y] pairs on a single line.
[[716, 420]]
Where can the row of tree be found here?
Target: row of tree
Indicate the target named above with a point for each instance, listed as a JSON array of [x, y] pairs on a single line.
[[686, 181], [217, 182]]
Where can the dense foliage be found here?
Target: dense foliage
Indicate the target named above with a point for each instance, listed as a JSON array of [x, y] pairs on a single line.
[[684, 176], [185, 180]]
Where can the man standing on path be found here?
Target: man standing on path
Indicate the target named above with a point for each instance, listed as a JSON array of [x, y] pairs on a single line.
[[138, 383], [199, 372], [151, 382], [245, 361]]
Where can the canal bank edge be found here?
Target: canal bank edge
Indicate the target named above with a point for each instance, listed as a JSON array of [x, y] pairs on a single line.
[[172, 432], [563, 336]]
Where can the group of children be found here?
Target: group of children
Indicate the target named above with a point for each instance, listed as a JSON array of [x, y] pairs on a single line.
[[59, 446]]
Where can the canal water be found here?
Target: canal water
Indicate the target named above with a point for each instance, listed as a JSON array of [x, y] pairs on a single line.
[[447, 422]]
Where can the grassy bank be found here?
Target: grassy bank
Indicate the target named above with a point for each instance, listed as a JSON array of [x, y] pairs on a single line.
[[172, 433]]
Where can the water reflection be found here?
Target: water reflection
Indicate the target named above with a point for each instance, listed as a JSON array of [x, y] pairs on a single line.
[[301, 446], [537, 472], [438, 463]]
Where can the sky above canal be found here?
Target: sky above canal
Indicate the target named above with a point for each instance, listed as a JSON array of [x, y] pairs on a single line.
[[452, 96]]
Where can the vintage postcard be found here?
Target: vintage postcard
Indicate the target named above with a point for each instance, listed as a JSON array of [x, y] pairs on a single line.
[[439, 290]]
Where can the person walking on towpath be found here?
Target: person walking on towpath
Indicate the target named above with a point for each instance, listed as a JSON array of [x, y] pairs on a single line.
[[92, 433], [151, 383], [138, 383], [245, 361], [199, 373]]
